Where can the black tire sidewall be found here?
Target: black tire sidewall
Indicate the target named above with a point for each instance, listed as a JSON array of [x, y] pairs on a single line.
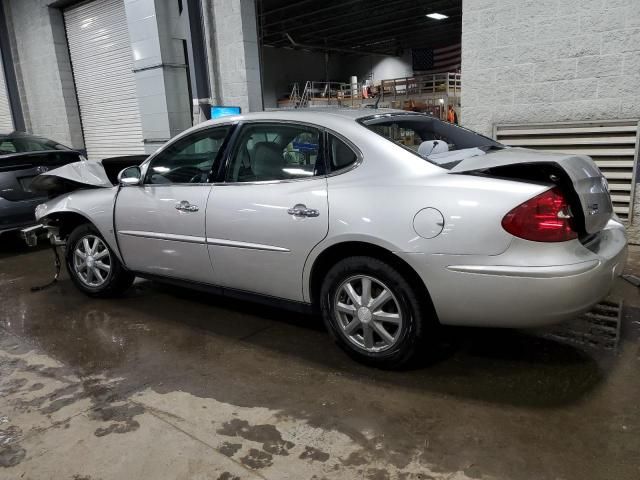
[[410, 305]]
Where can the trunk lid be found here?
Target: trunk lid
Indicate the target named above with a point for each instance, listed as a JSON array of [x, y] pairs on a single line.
[[18, 170], [577, 175]]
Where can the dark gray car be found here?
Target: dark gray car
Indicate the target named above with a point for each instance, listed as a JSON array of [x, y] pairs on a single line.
[[22, 157]]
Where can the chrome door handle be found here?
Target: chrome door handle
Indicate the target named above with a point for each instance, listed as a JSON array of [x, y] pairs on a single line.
[[301, 210], [185, 206]]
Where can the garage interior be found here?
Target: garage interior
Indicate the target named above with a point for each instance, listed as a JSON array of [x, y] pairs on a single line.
[[169, 383], [354, 53]]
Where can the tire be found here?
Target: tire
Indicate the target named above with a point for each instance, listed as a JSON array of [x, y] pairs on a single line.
[[107, 277], [405, 331]]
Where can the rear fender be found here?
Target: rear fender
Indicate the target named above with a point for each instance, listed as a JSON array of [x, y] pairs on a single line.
[[95, 205]]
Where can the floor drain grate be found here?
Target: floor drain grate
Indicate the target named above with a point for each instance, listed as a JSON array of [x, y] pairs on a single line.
[[598, 328]]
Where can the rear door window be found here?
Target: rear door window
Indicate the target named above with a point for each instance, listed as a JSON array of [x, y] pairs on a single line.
[[278, 151]]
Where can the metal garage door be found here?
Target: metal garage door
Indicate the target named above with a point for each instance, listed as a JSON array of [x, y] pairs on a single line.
[[613, 145], [103, 71], [6, 122]]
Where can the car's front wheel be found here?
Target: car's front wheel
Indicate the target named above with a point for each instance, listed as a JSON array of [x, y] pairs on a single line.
[[373, 312], [93, 266]]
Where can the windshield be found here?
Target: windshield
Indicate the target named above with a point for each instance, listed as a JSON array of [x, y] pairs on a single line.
[[23, 144], [441, 143]]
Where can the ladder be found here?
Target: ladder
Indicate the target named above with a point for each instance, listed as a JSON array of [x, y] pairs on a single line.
[[294, 96], [306, 93]]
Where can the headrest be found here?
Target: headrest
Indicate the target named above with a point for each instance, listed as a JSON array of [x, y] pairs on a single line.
[[267, 160], [431, 147]]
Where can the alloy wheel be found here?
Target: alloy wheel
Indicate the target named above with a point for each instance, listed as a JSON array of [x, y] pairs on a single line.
[[368, 313], [92, 261]]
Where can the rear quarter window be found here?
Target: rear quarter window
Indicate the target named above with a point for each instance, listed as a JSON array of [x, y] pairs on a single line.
[[341, 155]]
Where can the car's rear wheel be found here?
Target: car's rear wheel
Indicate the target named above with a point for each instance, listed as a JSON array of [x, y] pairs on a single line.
[[93, 266], [373, 312]]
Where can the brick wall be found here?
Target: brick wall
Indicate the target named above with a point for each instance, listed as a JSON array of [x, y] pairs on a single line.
[[549, 60]]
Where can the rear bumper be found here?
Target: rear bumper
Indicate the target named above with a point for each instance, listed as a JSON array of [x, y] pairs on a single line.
[[18, 214], [507, 291]]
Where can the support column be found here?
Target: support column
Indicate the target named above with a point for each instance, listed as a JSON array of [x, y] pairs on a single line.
[[157, 34], [236, 77]]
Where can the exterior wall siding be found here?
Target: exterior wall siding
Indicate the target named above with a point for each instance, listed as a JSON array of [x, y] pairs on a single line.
[[549, 60], [538, 61], [43, 70]]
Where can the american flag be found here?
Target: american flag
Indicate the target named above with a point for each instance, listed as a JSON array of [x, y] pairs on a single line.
[[428, 60]]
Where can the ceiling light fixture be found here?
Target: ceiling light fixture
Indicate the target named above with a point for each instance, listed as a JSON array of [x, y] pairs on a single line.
[[437, 16]]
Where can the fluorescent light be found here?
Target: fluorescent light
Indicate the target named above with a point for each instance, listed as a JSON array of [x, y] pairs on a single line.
[[437, 16]]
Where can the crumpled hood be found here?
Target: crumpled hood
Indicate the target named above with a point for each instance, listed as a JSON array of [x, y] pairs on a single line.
[[83, 174]]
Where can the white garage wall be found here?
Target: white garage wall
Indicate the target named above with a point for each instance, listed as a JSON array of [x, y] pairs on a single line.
[[6, 121], [282, 66], [550, 60], [378, 68]]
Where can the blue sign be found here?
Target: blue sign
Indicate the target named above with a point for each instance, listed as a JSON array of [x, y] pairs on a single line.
[[218, 111]]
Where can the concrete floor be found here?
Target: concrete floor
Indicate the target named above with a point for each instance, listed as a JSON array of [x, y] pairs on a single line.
[[167, 384]]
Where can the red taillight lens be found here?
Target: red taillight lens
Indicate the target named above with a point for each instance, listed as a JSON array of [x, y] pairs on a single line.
[[544, 218]]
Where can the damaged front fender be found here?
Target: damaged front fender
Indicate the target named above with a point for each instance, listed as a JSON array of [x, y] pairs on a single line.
[[95, 206]]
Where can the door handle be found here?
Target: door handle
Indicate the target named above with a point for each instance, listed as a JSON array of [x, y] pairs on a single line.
[[301, 210], [185, 206]]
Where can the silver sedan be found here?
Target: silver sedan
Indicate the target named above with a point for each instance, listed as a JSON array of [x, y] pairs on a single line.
[[388, 222]]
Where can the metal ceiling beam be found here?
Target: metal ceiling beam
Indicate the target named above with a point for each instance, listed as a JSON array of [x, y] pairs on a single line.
[[324, 48], [342, 17], [313, 12], [401, 16], [285, 7], [396, 31], [416, 20]]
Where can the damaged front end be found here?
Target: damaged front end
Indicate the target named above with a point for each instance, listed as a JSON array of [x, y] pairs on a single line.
[[65, 179], [78, 178]]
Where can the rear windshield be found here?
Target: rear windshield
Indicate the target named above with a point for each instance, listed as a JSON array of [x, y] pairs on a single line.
[[441, 143], [27, 144]]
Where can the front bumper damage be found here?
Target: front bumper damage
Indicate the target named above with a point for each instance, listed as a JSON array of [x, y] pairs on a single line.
[[31, 235]]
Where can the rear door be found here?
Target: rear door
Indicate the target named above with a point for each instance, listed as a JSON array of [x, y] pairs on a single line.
[[271, 209], [161, 223]]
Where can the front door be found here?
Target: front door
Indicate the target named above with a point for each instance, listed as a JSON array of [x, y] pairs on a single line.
[[272, 209], [161, 223]]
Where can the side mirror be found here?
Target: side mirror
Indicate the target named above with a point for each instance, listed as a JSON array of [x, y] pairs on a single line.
[[130, 176]]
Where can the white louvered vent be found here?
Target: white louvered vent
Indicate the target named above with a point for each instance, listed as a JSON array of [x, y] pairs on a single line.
[[613, 145], [102, 64]]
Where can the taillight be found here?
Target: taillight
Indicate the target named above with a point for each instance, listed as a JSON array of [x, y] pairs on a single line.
[[545, 218]]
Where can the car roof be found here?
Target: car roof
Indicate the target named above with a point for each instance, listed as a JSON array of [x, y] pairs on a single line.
[[308, 114], [16, 134]]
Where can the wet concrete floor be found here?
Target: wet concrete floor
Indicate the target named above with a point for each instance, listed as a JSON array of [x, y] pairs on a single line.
[[167, 383]]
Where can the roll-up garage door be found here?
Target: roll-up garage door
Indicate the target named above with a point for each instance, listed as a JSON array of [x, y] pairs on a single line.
[[103, 71], [6, 122]]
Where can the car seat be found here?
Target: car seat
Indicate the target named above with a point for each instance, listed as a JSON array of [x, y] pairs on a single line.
[[267, 162]]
